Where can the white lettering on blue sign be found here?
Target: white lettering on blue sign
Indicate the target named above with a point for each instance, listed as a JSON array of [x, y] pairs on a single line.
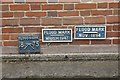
[[56, 35], [28, 44], [90, 32]]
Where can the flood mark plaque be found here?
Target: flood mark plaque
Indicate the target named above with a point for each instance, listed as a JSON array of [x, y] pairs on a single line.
[[29, 44], [90, 32], [56, 35]]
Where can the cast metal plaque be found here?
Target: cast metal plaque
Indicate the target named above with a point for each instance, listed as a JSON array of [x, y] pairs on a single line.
[[29, 44], [56, 35], [90, 32]]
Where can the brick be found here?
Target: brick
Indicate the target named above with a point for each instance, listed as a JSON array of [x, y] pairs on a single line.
[[1, 44], [61, 43], [35, 14], [10, 22], [1, 37], [116, 28], [116, 41], [30, 21], [85, 13], [78, 42], [6, 1], [41, 43], [7, 14], [113, 34], [52, 7], [1, 16], [14, 36], [94, 20], [112, 19], [85, 6], [101, 41], [5, 8], [40, 36], [114, 5], [116, 12], [102, 5], [51, 21], [58, 27], [68, 6], [109, 28], [32, 29], [18, 14], [69, 1], [73, 21], [5, 36], [22, 7], [101, 12], [52, 13], [68, 13], [35, 7], [10, 43], [71, 27], [12, 30]]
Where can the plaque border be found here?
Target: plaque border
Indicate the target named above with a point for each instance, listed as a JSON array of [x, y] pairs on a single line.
[[89, 26], [58, 40]]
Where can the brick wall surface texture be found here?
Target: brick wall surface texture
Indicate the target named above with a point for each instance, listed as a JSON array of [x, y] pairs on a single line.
[[21, 17]]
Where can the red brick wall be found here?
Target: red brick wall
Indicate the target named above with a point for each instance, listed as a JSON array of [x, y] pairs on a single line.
[[30, 17]]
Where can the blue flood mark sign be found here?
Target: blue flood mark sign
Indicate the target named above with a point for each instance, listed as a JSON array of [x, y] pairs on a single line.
[[90, 32], [56, 35], [29, 44]]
